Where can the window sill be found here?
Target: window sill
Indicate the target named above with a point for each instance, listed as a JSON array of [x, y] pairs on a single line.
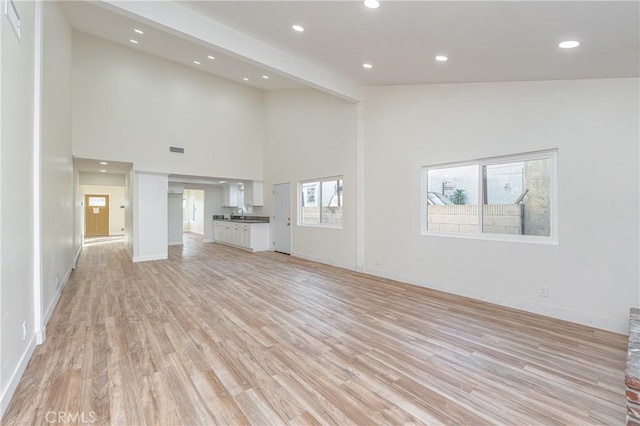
[[508, 238], [309, 225]]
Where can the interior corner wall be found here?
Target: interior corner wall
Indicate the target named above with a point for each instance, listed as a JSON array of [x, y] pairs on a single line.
[[212, 205], [150, 217], [128, 212], [311, 135], [130, 106], [593, 272], [78, 216], [16, 199], [57, 163], [174, 219]]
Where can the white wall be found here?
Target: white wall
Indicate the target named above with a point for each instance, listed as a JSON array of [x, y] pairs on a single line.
[[57, 164], [116, 200], [130, 106], [128, 212], [593, 273], [212, 205], [102, 179], [78, 216], [16, 199], [174, 218], [311, 135], [150, 223]]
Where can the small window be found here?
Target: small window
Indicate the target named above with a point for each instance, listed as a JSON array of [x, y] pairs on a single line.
[[498, 198], [320, 202], [97, 201]]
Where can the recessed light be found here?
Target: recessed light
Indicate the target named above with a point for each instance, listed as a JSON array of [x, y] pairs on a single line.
[[138, 31], [104, 163], [569, 44], [298, 28], [372, 4], [245, 78], [441, 58], [367, 66], [211, 57], [196, 62], [266, 77], [103, 171], [223, 181], [133, 41]]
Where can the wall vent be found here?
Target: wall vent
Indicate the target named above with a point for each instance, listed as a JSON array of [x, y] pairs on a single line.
[[176, 149]]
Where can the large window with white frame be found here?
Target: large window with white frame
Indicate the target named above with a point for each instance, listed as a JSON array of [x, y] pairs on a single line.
[[509, 198], [320, 202]]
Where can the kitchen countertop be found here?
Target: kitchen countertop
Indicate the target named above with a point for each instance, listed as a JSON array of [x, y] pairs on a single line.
[[241, 219]]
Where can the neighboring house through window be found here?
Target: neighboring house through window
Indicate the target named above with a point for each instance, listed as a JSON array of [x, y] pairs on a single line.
[[510, 197], [321, 202]]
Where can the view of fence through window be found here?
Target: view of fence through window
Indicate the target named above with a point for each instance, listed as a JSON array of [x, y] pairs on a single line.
[[515, 197], [321, 202]]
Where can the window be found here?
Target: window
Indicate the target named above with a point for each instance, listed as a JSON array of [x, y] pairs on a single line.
[[97, 201], [320, 202], [508, 197]]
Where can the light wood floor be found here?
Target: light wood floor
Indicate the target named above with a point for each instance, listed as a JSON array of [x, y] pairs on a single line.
[[217, 335]]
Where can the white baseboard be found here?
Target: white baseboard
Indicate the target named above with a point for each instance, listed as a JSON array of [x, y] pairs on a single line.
[[54, 302], [349, 266], [150, 257], [175, 243], [75, 258], [8, 392], [207, 240], [609, 324]]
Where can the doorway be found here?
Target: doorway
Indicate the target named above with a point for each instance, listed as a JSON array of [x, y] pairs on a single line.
[[282, 218], [96, 215], [193, 211]]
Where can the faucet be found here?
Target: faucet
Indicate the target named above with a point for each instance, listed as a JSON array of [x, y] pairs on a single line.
[[241, 212]]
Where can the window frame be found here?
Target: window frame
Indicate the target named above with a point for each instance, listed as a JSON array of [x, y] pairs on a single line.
[[550, 154], [318, 196]]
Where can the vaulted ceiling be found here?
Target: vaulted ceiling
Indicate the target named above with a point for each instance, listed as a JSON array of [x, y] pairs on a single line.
[[483, 41]]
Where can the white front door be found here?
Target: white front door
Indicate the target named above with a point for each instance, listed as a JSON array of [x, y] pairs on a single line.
[[282, 218]]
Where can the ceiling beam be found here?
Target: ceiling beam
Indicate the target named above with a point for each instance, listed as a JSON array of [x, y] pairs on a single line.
[[184, 22]]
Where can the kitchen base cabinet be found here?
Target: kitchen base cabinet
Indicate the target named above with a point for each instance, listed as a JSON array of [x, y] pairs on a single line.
[[249, 236]]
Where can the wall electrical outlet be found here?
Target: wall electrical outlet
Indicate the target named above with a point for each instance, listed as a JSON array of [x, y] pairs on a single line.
[[544, 291], [24, 331]]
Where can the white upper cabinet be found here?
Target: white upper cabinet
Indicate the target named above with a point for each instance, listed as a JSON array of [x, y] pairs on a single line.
[[254, 194], [176, 188], [230, 195]]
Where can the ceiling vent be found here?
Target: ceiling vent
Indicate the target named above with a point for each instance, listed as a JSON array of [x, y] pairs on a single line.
[[176, 149]]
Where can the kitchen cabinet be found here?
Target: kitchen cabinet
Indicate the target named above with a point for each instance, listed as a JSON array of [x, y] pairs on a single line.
[[254, 194], [249, 236], [230, 196]]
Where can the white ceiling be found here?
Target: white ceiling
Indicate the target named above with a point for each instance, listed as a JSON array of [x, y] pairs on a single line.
[[485, 41], [100, 22]]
